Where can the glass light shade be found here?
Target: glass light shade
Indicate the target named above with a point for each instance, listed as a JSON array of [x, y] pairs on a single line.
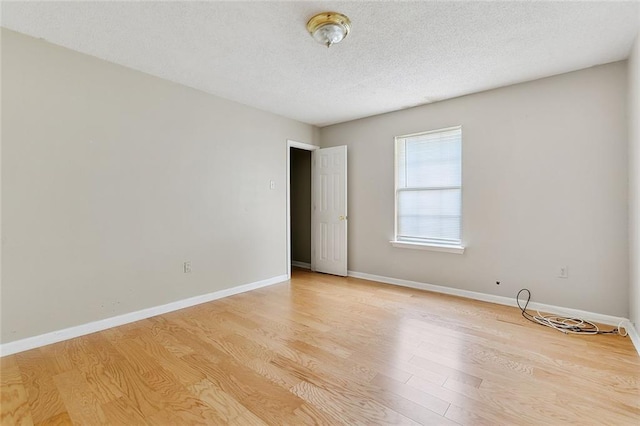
[[329, 27], [329, 34]]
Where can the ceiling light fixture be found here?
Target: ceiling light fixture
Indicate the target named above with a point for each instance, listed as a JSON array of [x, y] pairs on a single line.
[[329, 27]]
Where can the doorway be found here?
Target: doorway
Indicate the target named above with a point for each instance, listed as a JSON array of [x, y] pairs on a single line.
[[326, 246], [299, 192], [300, 196]]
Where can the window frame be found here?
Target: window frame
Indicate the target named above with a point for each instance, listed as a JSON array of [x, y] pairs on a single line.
[[405, 241]]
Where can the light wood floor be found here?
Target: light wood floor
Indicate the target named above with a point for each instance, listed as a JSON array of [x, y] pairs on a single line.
[[327, 350]]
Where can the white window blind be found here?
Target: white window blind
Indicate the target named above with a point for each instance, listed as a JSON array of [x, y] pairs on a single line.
[[429, 187]]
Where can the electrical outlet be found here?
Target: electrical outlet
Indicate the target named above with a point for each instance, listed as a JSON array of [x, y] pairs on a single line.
[[563, 272], [186, 267]]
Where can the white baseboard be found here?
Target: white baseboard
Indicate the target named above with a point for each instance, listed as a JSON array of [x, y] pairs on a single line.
[[303, 265], [92, 327], [95, 326], [633, 335], [501, 300]]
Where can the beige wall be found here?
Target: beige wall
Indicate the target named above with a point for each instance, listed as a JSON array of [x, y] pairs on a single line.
[[634, 183], [112, 178], [545, 185], [300, 205]]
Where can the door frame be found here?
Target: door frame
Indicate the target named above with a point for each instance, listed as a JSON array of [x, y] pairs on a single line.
[[306, 147]]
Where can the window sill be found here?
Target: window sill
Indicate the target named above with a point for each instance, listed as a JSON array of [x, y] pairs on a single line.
[[431, 247]]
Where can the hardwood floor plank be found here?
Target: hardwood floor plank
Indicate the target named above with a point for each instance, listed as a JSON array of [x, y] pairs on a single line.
[[310, 415], [168, 360], [169, 341], [37, 376], [61, 419], [57, 357], [506, 368], [279, 325], [247, 419], [327, 350], [121, 411], [351, 367], [171, 416], [433, 403], [14, 401], [141, 396], [135, 355], [411, 403], [414, 405], [258, 359], [470, 416], [564, 406], [227, 407], [199, 345], [101, 383], [265, 399], [451, 373], [494, 414], [82, 404], [354, 411]]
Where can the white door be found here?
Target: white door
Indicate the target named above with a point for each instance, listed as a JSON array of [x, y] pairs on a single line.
[[329, 211]]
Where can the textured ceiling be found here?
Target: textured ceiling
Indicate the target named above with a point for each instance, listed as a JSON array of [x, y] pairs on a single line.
[[398, 55]]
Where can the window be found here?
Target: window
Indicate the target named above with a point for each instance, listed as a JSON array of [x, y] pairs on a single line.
[[429, 190]]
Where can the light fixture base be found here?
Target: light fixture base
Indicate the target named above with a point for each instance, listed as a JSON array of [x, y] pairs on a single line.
[[329, 27]]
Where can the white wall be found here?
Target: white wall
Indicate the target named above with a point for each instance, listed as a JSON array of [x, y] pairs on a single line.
[[634, 183], [545, 185], [112, 178]]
